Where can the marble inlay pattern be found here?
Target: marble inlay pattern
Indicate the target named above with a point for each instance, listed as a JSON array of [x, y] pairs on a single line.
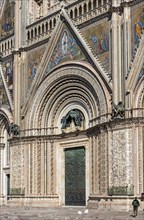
[[121, 158]]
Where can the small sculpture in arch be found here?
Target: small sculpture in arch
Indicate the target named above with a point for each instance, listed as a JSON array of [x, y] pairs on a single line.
[[74, 117]]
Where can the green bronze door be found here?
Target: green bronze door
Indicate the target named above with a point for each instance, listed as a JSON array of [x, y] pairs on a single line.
[[75, 176]]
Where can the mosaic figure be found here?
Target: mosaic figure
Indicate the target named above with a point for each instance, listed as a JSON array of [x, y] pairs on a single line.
[[34, 59], [33, 71], [137, 24], [66, 49], [8, 72], [64, 45]]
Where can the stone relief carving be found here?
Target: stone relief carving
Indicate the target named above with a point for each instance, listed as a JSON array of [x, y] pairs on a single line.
[[72, 121], [17, 179], [121, 160], [14, 129], [117, 110], [140, 137], [103, 163]]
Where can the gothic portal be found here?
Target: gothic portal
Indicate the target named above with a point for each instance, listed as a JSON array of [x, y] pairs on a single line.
[[71, 103]]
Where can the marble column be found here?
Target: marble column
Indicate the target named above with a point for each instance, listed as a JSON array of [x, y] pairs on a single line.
[[117, 74], [126, 45]]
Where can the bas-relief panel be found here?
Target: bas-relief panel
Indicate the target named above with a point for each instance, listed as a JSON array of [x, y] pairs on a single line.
[[7, 20], [34, 58], [98, 38], [65, 50], [17, 179], [121, 158], [137, 14]]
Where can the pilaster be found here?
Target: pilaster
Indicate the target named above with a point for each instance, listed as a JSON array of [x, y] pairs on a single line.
[[23, 16], [23, 75], [126, 43], [17, 87], [117, 54], [45, 7], [1, 167], [17, 62]]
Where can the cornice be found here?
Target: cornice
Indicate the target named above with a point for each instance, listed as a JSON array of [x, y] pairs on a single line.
[[95, 19], [116, 124], [95, 130], [42, 138], [134, 2]]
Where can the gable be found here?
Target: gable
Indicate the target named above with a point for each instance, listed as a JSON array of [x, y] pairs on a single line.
[[66, 49], [66, 43]]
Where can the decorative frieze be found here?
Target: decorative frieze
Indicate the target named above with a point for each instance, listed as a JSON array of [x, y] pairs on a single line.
[[121, 190], [17, 191], [103, 163]]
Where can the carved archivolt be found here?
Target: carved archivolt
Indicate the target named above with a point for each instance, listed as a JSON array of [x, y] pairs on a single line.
[[6, 119], [64, 89]]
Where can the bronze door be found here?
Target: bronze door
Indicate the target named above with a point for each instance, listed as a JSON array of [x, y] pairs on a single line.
[[75, 176]]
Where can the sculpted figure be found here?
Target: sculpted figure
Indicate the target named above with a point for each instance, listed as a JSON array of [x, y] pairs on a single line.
[[14, 129], [75, 116], [117, 110]]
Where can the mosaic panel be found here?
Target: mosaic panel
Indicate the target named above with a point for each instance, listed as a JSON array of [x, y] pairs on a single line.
[[98, 38], [8, 74], [137, 15], [66, 49], [34, 59], [7, 20]]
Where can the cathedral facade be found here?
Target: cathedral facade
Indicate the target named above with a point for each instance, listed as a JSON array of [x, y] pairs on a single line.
[[72, 103]]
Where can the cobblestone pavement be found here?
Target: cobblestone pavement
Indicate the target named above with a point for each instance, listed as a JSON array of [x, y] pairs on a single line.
[[65, 213]]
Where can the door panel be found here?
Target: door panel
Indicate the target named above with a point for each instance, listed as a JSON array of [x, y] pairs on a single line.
[[75, 176]]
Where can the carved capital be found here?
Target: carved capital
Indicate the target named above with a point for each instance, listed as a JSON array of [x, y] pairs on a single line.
[[16, 52], [118, 9]]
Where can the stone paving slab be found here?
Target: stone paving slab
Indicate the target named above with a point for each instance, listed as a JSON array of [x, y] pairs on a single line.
[[63, 213]]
